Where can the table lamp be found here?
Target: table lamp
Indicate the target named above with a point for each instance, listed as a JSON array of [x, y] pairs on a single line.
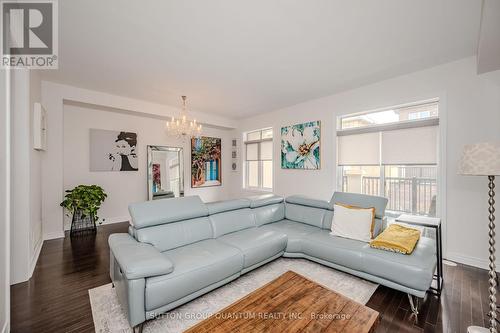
[[483, 159]]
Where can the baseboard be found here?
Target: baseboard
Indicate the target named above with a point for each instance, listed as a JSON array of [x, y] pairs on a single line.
[[108, 220], [471, 261], [53, 235], [118, 219], [6, 327], [34, 259]]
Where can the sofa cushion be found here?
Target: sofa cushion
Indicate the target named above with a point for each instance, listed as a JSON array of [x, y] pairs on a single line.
[[197, 266], [256, 244], [304, 214], [231, 221], [227, 205], [295, 232], [171, 235], [138, 260], [309, 202], [269, 214], [341, 251], [264, 200], [155, 212], [414, 271], [361, 200]]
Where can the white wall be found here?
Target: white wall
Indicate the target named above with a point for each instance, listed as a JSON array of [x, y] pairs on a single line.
[[35, 198], [20, 177], [124, 188], [26, 192], [470, 108], [55, 99], [4, 201]]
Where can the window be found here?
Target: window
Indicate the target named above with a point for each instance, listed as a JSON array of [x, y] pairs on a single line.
[[258, 172], [392, 153], [412, 112]]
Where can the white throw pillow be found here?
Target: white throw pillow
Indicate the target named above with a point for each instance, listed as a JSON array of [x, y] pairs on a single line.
[[353, 222]]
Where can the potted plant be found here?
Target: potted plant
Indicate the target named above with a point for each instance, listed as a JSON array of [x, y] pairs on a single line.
[[83, 202]]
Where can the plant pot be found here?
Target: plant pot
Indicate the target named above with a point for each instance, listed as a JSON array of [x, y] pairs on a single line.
[[82, 224]]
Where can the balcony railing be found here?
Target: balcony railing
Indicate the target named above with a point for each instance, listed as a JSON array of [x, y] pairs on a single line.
[[410, 195]]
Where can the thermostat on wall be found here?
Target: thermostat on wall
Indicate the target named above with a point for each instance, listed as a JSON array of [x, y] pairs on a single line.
[[39, 127]]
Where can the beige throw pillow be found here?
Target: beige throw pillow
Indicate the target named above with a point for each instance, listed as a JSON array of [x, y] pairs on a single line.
[[353, 222]]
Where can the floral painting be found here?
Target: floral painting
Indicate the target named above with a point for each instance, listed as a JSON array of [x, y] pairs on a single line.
[[206, 162], [300, 146]]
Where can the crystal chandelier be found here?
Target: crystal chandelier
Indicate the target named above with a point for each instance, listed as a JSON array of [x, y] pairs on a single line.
[[183, 127]]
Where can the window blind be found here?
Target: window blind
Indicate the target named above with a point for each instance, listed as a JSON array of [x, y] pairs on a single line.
[[410, 146], [359, 149], [390, 146], [252, 152]]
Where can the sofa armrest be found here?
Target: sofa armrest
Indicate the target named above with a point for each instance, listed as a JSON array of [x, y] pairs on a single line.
[[138, 260]]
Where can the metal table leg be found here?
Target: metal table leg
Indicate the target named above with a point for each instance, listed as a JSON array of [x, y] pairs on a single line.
[[439, 258], [439, 264]]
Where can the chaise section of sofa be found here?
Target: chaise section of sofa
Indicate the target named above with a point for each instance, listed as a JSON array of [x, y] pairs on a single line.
[[178, 249]]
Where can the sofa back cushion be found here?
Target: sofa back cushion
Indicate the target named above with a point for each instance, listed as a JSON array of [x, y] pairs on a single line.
[[156, 212], [304, 214], [314, 212], [364, 201], [268, 208], [227, 205], [361, 200], [264, 200], [328, 219], [172, 235], [269, 214], [231, 221]]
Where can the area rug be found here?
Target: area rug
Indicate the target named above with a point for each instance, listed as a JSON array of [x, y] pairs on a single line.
[[109, 317]]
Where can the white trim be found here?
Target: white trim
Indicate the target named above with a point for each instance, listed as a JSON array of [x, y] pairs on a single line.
[[471, 261], [53, 235], [6, 327], [7, 213], [441, 203], [116, 219], [108, 220], [434, 121], [260, 187], [258, 141], [385, 108], [34, 259]]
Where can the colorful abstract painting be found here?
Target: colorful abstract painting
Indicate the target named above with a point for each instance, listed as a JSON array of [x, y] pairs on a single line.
[[156, 177], [300, 146], [206, 162]]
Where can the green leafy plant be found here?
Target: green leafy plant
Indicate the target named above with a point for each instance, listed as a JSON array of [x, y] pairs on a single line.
[[86, 199]]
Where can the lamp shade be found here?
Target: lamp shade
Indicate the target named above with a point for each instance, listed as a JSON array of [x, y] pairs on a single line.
[[480, 159]]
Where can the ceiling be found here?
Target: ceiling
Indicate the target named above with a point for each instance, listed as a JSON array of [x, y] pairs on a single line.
[[240, 58]]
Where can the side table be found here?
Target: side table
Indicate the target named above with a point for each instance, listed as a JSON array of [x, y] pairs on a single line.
[[435, 223]]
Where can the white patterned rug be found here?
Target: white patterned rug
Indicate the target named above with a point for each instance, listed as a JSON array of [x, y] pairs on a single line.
[[109, 317]]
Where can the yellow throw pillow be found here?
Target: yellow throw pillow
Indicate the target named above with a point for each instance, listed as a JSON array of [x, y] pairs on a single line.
[[397, 238]]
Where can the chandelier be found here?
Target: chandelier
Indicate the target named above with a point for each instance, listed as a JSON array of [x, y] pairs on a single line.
[[183, 127]]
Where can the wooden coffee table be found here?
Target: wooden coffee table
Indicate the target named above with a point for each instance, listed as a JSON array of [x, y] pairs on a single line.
[[292, 303]]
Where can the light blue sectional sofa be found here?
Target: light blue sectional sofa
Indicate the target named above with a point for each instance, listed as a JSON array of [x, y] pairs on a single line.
[[178, 249]]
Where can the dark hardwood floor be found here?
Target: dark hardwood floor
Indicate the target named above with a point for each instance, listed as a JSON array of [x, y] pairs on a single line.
[[56, 297]]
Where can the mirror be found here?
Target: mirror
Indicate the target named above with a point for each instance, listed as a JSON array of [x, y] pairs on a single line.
[[165, 172]]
